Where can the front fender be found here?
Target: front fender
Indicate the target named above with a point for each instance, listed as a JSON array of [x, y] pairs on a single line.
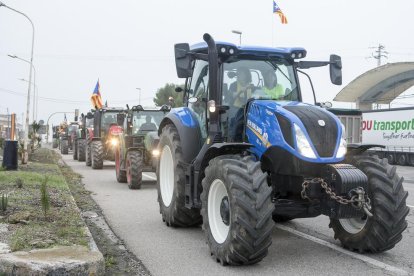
[[188, 129], [356, 149]]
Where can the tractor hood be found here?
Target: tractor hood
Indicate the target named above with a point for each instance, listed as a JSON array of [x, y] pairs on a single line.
[[278, 123]]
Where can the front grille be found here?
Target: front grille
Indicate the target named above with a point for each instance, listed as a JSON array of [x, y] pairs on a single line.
[[138, 141], [323, 137], [286, 128]]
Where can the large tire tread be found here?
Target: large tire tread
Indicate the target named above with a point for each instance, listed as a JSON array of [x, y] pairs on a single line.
[[384, 230], [251, 210], [64, 147], [97, 155], [176, 215], [81, 150], [134, 172]]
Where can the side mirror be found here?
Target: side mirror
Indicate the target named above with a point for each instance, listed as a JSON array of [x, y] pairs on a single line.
[[89, 115], [120, 119], [183, 60], [335, 69], [178, 89]]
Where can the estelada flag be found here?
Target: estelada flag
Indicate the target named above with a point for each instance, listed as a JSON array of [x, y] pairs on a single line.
[[96, 98], [279, 12]]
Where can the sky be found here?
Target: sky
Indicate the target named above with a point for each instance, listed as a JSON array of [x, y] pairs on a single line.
[[128, 44]]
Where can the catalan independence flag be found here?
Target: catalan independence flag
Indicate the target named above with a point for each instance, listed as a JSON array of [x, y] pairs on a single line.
[[96, 98], [278, 11]]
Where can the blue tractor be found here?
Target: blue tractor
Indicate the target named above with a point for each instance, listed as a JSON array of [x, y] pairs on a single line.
[[246, 152]]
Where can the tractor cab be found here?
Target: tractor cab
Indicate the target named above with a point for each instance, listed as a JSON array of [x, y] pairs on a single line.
[[140, 121]]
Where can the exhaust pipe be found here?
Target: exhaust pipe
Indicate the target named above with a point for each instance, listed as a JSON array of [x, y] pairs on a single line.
[[212, 75]]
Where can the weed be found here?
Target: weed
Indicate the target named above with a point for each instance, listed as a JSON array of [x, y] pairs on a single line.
[[109, 261], [19, 183], [44, 196], [4, 202]]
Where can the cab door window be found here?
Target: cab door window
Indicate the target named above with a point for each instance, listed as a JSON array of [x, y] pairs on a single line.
[[199, 90]]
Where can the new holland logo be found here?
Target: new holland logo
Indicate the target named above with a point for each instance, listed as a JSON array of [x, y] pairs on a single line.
[[321, 123]]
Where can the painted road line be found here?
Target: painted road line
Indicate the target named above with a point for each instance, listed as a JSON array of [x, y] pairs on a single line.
[[411, 206], [149, 176], [394, 270]]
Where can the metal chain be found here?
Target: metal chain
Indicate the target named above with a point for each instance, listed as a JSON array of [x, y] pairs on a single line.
[[359, 197]]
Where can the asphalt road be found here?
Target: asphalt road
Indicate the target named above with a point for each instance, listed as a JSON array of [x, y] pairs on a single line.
[[300, 247]]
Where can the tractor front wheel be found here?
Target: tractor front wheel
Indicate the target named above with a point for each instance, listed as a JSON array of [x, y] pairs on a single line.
[[134, 170], [81, 150], [88, 155], [171, 182], [384, 229], [75, 150], [119, 170], [64, 149], [97, 155], [237, 210]]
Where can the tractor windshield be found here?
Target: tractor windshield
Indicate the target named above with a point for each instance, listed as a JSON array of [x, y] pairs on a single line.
[[260, 79], [144, 121], [108, 119]]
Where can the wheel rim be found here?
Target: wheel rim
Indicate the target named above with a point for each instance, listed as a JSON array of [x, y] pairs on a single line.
[[218, 213], [166, 175], [354, 225]]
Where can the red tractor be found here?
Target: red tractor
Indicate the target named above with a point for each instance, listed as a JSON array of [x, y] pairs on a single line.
[[103, 137]]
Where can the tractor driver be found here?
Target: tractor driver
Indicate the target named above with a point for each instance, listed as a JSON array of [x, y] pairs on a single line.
[[148, 125], [271, 87], [242, 90]]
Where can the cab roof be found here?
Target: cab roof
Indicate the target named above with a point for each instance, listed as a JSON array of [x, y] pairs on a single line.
[[258, 51]]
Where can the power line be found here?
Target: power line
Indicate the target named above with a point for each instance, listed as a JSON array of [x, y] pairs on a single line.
[[380, 53]]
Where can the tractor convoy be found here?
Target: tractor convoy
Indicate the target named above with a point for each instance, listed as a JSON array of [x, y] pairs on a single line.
[[245, 152]]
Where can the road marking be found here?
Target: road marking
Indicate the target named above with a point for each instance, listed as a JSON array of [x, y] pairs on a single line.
[[150, 177], [371, 261]]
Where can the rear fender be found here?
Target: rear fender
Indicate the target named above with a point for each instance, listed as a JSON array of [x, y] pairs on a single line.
[[356, 149], [188, 129]]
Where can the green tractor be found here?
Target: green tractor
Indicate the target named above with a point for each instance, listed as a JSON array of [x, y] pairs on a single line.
[[86, 122], [137, 150], [55, 137], [67, 134], [102, 138]]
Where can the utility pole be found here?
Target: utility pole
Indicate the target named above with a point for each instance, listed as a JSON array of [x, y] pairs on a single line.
[[379, 53]]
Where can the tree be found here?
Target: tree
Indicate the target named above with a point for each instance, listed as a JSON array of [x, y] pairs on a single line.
[[164, 93]]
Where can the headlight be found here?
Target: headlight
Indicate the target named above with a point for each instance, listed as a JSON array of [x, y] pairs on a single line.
[[342, 145], [211, 106], [303, 144], [155, 153], [114, 142]]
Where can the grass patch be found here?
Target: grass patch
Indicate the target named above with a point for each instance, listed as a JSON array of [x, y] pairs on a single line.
[[29, 226]]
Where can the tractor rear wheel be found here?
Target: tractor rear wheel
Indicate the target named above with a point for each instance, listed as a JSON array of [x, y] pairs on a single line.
[[237, 210], [119, 171], [81, 150], [134, 170], [97, 155], [75, 150], [171, 182], [383, 230], [64, 148]]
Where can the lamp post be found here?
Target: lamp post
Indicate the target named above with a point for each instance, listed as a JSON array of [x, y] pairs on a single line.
[[35, 91], [239, 33], [139, 100], [26, 134], [34, 98]]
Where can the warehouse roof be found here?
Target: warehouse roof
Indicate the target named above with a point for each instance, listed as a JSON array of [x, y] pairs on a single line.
[[380, 85]]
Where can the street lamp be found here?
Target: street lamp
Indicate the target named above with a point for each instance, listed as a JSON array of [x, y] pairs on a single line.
[[34, 96], [239, 33], [35, 91], [139, 101], [26, 134]]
